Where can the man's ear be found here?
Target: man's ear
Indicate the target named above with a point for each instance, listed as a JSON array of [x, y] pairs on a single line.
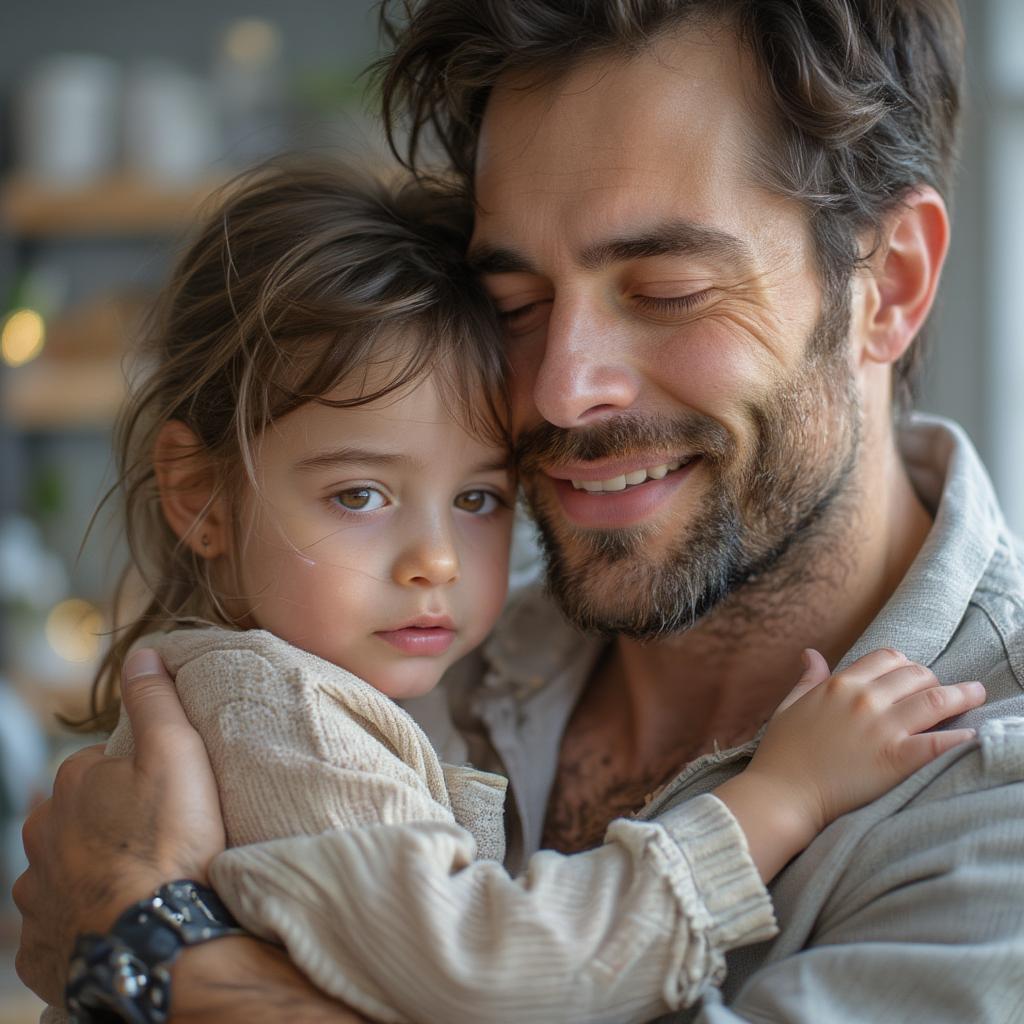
[[193, 504], [904, 275]]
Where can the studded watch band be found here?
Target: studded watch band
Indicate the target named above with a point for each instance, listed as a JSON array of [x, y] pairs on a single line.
[[124, 975]]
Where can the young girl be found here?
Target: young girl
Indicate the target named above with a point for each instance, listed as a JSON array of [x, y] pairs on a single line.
[[319, 498]]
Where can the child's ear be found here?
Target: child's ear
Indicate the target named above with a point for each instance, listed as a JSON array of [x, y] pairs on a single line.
[[904, 275], [193, 504]]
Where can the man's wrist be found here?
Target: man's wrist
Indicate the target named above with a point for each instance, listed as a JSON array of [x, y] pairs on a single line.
[[103, 909], [248, 981], [125, 973]]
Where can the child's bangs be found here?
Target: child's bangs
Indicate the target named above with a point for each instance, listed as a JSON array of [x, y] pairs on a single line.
[[387, 354]]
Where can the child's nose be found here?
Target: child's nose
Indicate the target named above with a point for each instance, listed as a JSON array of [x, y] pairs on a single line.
[[431, 562]]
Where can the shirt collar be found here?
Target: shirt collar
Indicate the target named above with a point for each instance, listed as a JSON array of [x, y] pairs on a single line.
[[533, 644], [923, 613]]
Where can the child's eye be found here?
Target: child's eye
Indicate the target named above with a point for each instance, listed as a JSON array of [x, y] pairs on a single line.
[[478, 502], [360, 499]]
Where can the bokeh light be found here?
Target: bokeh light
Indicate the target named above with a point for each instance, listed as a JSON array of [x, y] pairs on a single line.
[[73, 628], [22, 337], [252, 41]]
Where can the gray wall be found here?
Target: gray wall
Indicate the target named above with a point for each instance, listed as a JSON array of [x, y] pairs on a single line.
[[317, 32]]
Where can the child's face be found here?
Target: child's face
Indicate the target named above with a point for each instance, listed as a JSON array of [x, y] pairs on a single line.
[[379, 538]]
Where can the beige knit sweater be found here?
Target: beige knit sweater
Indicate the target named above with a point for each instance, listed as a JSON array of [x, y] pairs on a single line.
[[300, 746], [376, 865]]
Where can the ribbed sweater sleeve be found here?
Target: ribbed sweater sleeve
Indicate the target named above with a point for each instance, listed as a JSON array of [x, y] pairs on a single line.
[[346, 850], [399, 923]]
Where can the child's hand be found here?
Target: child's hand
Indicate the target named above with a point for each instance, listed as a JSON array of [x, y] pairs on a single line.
[[836, 743]]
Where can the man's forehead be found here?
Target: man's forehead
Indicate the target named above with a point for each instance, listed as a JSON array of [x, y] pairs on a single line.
[[615, 139]]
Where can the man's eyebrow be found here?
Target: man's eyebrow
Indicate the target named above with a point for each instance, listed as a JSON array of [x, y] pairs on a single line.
[[674, 238], [340, 456], [491, 259]]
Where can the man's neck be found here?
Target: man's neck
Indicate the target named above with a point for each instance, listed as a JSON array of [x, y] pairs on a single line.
[[717, 683], [649, 709]]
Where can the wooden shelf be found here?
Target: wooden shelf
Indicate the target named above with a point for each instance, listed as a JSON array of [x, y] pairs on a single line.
[[63, 395], [120, 206]]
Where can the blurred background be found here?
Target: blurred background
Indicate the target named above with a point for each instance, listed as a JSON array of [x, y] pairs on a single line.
[[117, 118]]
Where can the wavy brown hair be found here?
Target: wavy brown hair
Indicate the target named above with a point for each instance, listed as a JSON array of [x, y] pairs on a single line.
[[866, 93], [301, 275]]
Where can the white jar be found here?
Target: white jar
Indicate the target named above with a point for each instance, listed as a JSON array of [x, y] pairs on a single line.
[[67, 119], [170, 131]]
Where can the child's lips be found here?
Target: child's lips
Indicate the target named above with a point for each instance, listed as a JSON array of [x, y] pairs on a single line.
[[425, 641]]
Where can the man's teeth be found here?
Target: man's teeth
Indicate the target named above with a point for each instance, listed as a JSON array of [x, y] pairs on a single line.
[[620, 483]]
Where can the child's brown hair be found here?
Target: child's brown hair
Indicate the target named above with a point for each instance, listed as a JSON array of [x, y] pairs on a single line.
[[289, 289]]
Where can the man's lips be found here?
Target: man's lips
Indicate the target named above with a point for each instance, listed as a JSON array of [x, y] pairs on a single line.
[[426, 636], [637, 467], [602, 469], [625, 504]]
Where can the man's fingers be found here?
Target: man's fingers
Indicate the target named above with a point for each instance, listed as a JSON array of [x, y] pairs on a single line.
[[22, 892], [150, 699], [33, 829], [75, 765]]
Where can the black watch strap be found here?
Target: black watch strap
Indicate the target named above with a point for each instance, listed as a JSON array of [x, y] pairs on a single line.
[[125, 974]]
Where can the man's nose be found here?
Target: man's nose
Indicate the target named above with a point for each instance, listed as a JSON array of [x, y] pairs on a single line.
[[430, 559], [588, 367]]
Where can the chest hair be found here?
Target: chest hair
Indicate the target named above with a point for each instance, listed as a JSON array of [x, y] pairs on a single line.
[[593, 787]]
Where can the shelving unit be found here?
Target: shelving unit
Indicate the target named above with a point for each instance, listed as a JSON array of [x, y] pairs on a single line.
[[59, 408], [83, 390], [121, 206], [57, 396]]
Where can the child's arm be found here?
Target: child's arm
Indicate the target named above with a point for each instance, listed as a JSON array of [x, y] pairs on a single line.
[[292, 758], [837, 743], [398, 923], [288, 758]]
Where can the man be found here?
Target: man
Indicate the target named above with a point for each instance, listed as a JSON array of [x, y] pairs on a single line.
[[714, 231]]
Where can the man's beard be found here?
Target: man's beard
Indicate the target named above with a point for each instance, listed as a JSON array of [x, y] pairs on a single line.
[[807, 440]]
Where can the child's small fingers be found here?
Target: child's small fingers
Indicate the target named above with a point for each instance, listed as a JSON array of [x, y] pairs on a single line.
[[816, 671], [925, 709], [903, 682], [917, 751], [871, 666]]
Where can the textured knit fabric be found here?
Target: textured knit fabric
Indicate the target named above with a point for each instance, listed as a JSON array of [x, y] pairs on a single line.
[[907, 911], [300, 746], [304, 750]]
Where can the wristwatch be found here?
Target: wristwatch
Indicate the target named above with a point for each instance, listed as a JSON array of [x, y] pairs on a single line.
[[125, 974]]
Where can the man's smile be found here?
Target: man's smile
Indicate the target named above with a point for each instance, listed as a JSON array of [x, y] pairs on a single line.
[[617, 500]]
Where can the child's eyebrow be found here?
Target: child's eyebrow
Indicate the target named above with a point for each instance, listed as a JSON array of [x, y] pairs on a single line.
[[325, 460]]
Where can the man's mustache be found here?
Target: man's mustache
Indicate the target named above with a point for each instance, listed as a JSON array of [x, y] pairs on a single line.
[[688, 434]]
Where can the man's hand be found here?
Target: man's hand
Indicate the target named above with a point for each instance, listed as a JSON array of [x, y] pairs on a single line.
[[115, 829]]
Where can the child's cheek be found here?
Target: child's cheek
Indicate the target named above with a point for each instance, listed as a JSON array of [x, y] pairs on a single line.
[[490, 561], [317, 603]]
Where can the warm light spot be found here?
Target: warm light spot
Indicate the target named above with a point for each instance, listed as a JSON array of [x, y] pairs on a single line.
[[252, 41], [23, 336], [72, 629]]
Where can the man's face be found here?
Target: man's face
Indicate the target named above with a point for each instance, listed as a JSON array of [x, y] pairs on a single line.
[[683, 398]]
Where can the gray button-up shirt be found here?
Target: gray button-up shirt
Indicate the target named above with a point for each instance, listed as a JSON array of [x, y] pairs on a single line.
[[908, 910]]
